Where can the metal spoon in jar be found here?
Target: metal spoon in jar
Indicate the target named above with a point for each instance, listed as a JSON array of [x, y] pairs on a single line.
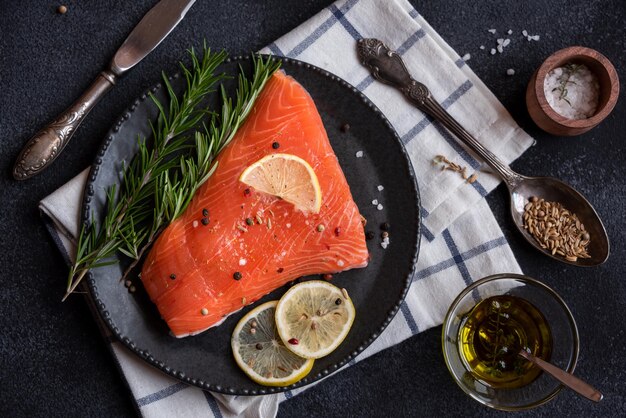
[[387, 66], [577, 385]]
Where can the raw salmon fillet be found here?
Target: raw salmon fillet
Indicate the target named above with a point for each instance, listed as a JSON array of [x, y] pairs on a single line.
[[198, 274]]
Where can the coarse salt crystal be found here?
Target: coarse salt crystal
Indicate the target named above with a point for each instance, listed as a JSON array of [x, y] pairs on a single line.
[[194, 224], [380, 188], [499, 48], [340, 263], [509, 31], [482, 47], [385, 243], [288, 225], [500, 41], [375, 202], [491, 30], [242, 261], [535, 37], [379, 207], [359, 154], [572, 91], [466, 57], [506, 42], [525, 32], [510, 71], [493, 51]]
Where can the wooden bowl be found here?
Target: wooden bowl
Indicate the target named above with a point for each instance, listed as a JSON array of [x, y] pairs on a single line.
[[547, 118]]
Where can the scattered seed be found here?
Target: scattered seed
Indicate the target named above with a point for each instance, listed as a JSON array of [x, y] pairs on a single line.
[[275, 145], [282, 369], [384, 234], [259, 346], [344, 292], [204, 311], [314, 325], [173, 276], [293, 341], [62, 9], [254, 324], [243, 301], [472, 178], [205, 212], [345, 127], [242, 228], [269, 223], [205, 221], [237, 275], [320, 228], [327, 276], [338, 301], [258, 219], [250, 221], [369, 235], [363, 221]]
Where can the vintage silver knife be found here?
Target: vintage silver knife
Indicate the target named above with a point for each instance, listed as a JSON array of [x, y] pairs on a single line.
[[47, 144]]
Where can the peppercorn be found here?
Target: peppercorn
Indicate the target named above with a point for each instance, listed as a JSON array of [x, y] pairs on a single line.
[[327, 276], [338, 301], [369, 235], [205, 212], [337, 231], [384, 234], [259, 346], [205, 221], [246, 192], [204, 311], [275, 145], [345, 127], [250, 221], [237, 276], [385, 226], [173, 276], [280, 270]]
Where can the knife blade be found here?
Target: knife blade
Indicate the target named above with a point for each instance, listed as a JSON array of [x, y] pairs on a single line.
[[46, 145]]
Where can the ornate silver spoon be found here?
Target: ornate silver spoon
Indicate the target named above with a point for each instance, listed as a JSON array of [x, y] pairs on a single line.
[[387, 66]]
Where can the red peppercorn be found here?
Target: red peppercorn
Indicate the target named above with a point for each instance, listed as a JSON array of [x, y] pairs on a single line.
[[337, 231], [246, 192], [327, 276], [294, 341], [280, 270]]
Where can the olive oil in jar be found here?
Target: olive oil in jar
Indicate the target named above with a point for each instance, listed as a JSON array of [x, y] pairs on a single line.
[[494, 332]]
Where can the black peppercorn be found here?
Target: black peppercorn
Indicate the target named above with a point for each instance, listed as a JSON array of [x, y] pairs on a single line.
[[173, 276], [275, 145], [338, 301], [369, 235], [205, 221], [237, 276], [385, 226], [205, 212], [345, 127]]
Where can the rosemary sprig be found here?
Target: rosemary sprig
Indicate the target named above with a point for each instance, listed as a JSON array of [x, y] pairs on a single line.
[[160, 181], [570, 69]]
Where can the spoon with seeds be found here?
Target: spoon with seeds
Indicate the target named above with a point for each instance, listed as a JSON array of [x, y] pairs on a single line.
[[575, 234]]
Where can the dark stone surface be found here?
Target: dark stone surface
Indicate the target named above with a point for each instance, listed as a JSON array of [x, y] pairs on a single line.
[[53, 361]]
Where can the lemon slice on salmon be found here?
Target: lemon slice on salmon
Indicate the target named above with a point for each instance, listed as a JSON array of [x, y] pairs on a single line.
[[314, 317], [286, 176], [260, 353]]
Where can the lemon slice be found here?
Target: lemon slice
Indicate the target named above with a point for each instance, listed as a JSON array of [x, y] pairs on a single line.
[[288, 177], [261, 354], [314, 317]]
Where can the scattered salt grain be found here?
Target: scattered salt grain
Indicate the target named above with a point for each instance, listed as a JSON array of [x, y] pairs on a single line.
[[380, 188], [509, 31], [525, 32], [194, 224], [340, 263], [500, 41], [492, 31], [242, 261], [510, 71], [506, 42], [572, 91], [288, 225], [493, 51], [379, 207], [482, 47], [375, 202], [534, 37], [385, 243], [466, 57], [499, 48], [359, 154]]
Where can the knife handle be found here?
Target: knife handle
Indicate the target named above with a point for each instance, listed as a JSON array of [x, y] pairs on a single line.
[[46, 145]]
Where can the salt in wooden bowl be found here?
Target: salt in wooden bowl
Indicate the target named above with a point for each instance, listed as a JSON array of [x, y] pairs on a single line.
[[546, 117]]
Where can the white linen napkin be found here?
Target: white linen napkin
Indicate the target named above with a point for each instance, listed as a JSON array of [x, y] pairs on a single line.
[[463, 240]]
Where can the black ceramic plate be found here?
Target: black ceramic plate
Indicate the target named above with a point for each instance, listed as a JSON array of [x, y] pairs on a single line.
[[205, 360]]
